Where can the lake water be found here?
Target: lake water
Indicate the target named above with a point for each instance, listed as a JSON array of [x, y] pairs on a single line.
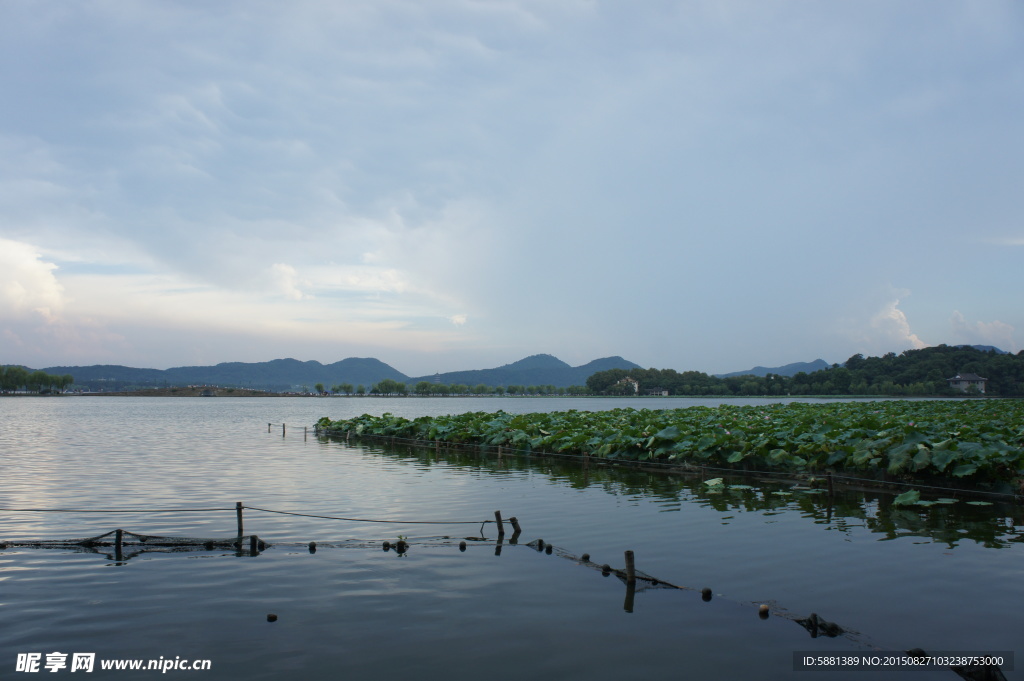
[[943, 578]]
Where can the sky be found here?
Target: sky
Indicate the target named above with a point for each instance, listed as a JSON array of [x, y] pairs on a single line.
[[457, 184]]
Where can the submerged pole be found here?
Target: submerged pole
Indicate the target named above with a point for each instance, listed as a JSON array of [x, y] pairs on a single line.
[[118, 545], [627, 605], [501, 526], [238, 512], [282, 430]]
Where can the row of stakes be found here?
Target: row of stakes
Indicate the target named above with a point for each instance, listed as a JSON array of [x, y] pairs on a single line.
[[256, 545], [401, 547]]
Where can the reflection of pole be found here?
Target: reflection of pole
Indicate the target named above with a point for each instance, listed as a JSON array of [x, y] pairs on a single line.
[[516, 530], [118, 545], [497, 546], [630, 593]]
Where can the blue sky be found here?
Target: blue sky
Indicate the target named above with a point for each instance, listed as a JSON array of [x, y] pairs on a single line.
[[457, 184]]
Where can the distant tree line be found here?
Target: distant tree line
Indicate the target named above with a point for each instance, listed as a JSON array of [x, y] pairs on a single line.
[[913, 372], [390, 386], [17, 378]]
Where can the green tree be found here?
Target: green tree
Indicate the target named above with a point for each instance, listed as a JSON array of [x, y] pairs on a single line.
[[389, 386], [319, 388]]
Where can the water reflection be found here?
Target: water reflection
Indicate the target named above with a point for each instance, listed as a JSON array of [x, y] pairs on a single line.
[[947, 521]]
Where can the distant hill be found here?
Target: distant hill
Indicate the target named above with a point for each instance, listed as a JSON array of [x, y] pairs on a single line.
[[787, 370], [276, 375], [985, 348], [289, 374], [532, 370]]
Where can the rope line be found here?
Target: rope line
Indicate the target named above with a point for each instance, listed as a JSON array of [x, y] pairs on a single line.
[[116, 510], [250, 508], [371, 520]]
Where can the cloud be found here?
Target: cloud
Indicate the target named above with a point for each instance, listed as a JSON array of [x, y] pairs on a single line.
[[995, 333], [286, 281], [569, 175], [28, 287], [891, 324]]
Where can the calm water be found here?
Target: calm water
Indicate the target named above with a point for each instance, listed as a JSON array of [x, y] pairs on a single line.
[[945, 578]]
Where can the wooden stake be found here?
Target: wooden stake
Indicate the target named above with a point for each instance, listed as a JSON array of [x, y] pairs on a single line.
[[268, 427], [627, 605], [630, 568], [828, 476], [118, 545], [282, 430], [254, 545], [501, 526], [238, 512]]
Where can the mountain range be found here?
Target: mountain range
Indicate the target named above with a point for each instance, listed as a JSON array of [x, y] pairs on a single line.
[[787, 370], [288, 374]]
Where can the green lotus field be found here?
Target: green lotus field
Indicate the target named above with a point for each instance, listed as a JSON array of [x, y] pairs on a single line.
[[978, 439]]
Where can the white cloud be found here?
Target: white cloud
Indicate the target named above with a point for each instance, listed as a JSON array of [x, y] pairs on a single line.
[[28, 286], [891, 324], [286, 281], [458, 319], [995, 333]]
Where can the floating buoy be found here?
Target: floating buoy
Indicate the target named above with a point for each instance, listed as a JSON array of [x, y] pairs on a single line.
[[606, 569], [271, 617], [540, 544], [762, 612], [312, 547], [401, 546], [547, 549], [705, 594], [462, 546], [387, 545], [585, 557]]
